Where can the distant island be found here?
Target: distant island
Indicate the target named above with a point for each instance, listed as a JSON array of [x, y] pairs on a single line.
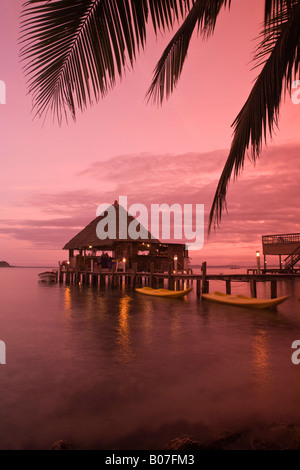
[[4, 264]]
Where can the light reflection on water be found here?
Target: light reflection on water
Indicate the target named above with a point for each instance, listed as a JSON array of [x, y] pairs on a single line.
[[110, 369], [123, 339], [261, 361]]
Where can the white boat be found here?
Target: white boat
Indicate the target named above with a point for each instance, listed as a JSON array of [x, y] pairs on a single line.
[[48, 276]]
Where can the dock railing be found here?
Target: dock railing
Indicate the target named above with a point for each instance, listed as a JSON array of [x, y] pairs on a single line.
[[281, 238]]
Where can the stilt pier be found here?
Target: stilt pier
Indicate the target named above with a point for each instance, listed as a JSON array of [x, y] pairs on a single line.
[[110, 279]]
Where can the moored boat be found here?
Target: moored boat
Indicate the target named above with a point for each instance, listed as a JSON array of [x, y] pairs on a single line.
[[48, 276], [163, 292], [243, 301]]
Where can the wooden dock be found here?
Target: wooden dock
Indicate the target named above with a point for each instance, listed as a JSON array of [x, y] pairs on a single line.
[[105, 279]]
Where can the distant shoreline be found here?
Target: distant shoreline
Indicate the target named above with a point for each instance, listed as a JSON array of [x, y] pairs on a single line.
[[31, 267], [194, 266]]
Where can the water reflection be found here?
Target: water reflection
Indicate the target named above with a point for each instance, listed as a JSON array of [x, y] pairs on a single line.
[[147, 318], [125, 353], [68, 301], [261, 360]]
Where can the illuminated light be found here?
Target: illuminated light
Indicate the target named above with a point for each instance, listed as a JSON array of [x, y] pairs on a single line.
[[175, 258], [124, 260], [148, 245], [258, 262], [90, 246], [68, 262]]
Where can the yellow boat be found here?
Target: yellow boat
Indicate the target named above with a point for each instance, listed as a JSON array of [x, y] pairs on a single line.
[[243, 301], [163, 292]]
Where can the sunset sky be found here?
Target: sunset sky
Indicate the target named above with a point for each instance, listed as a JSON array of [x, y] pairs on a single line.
[[53, 178]]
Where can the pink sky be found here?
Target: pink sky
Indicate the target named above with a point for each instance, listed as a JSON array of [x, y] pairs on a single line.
[[53, 179]]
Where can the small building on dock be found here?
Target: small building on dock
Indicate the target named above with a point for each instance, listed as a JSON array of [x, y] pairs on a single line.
[[285, 246], [87, 252]]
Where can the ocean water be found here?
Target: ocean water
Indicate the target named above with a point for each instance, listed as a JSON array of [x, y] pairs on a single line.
[[117, 370]]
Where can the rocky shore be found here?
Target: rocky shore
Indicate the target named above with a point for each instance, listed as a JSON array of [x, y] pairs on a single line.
[[277, 436]]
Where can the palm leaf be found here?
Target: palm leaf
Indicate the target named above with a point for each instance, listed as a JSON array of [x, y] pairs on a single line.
[[260, 113], [204, 13], [273, 8], [75, 49]]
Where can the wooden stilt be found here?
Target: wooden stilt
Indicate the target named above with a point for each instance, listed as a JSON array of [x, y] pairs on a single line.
[[228, 286], [198, 288], [273, 289], [205, 283], [170, 276], [152, 275], [253, 289]]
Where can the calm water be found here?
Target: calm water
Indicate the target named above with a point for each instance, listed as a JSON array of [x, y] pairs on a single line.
[[118, 370]]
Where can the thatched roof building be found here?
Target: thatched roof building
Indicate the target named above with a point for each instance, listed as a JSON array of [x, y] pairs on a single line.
[[88, 236], [85, 247]]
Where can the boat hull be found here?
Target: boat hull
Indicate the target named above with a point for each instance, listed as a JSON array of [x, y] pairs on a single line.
[[163, 292], [47, 277], [243, 301]]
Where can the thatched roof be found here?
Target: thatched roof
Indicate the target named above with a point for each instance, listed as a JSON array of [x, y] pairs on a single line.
[[88, 236]]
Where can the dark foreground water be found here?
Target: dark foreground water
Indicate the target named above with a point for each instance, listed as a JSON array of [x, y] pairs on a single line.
[[115, 369]]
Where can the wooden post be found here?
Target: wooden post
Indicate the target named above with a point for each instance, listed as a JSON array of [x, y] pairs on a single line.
[[273, 289], [205, 283], [228, 286], [60, 276], [170, 276], [152, 275], [113, 277], [198, 288], [134, 275], [253, 289]]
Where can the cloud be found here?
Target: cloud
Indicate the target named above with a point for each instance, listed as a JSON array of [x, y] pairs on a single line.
[[264, 200]]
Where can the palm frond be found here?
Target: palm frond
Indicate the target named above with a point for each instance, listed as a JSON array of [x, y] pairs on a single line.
[[260, 113], [75, 49], [167, 72], [273, 8]]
